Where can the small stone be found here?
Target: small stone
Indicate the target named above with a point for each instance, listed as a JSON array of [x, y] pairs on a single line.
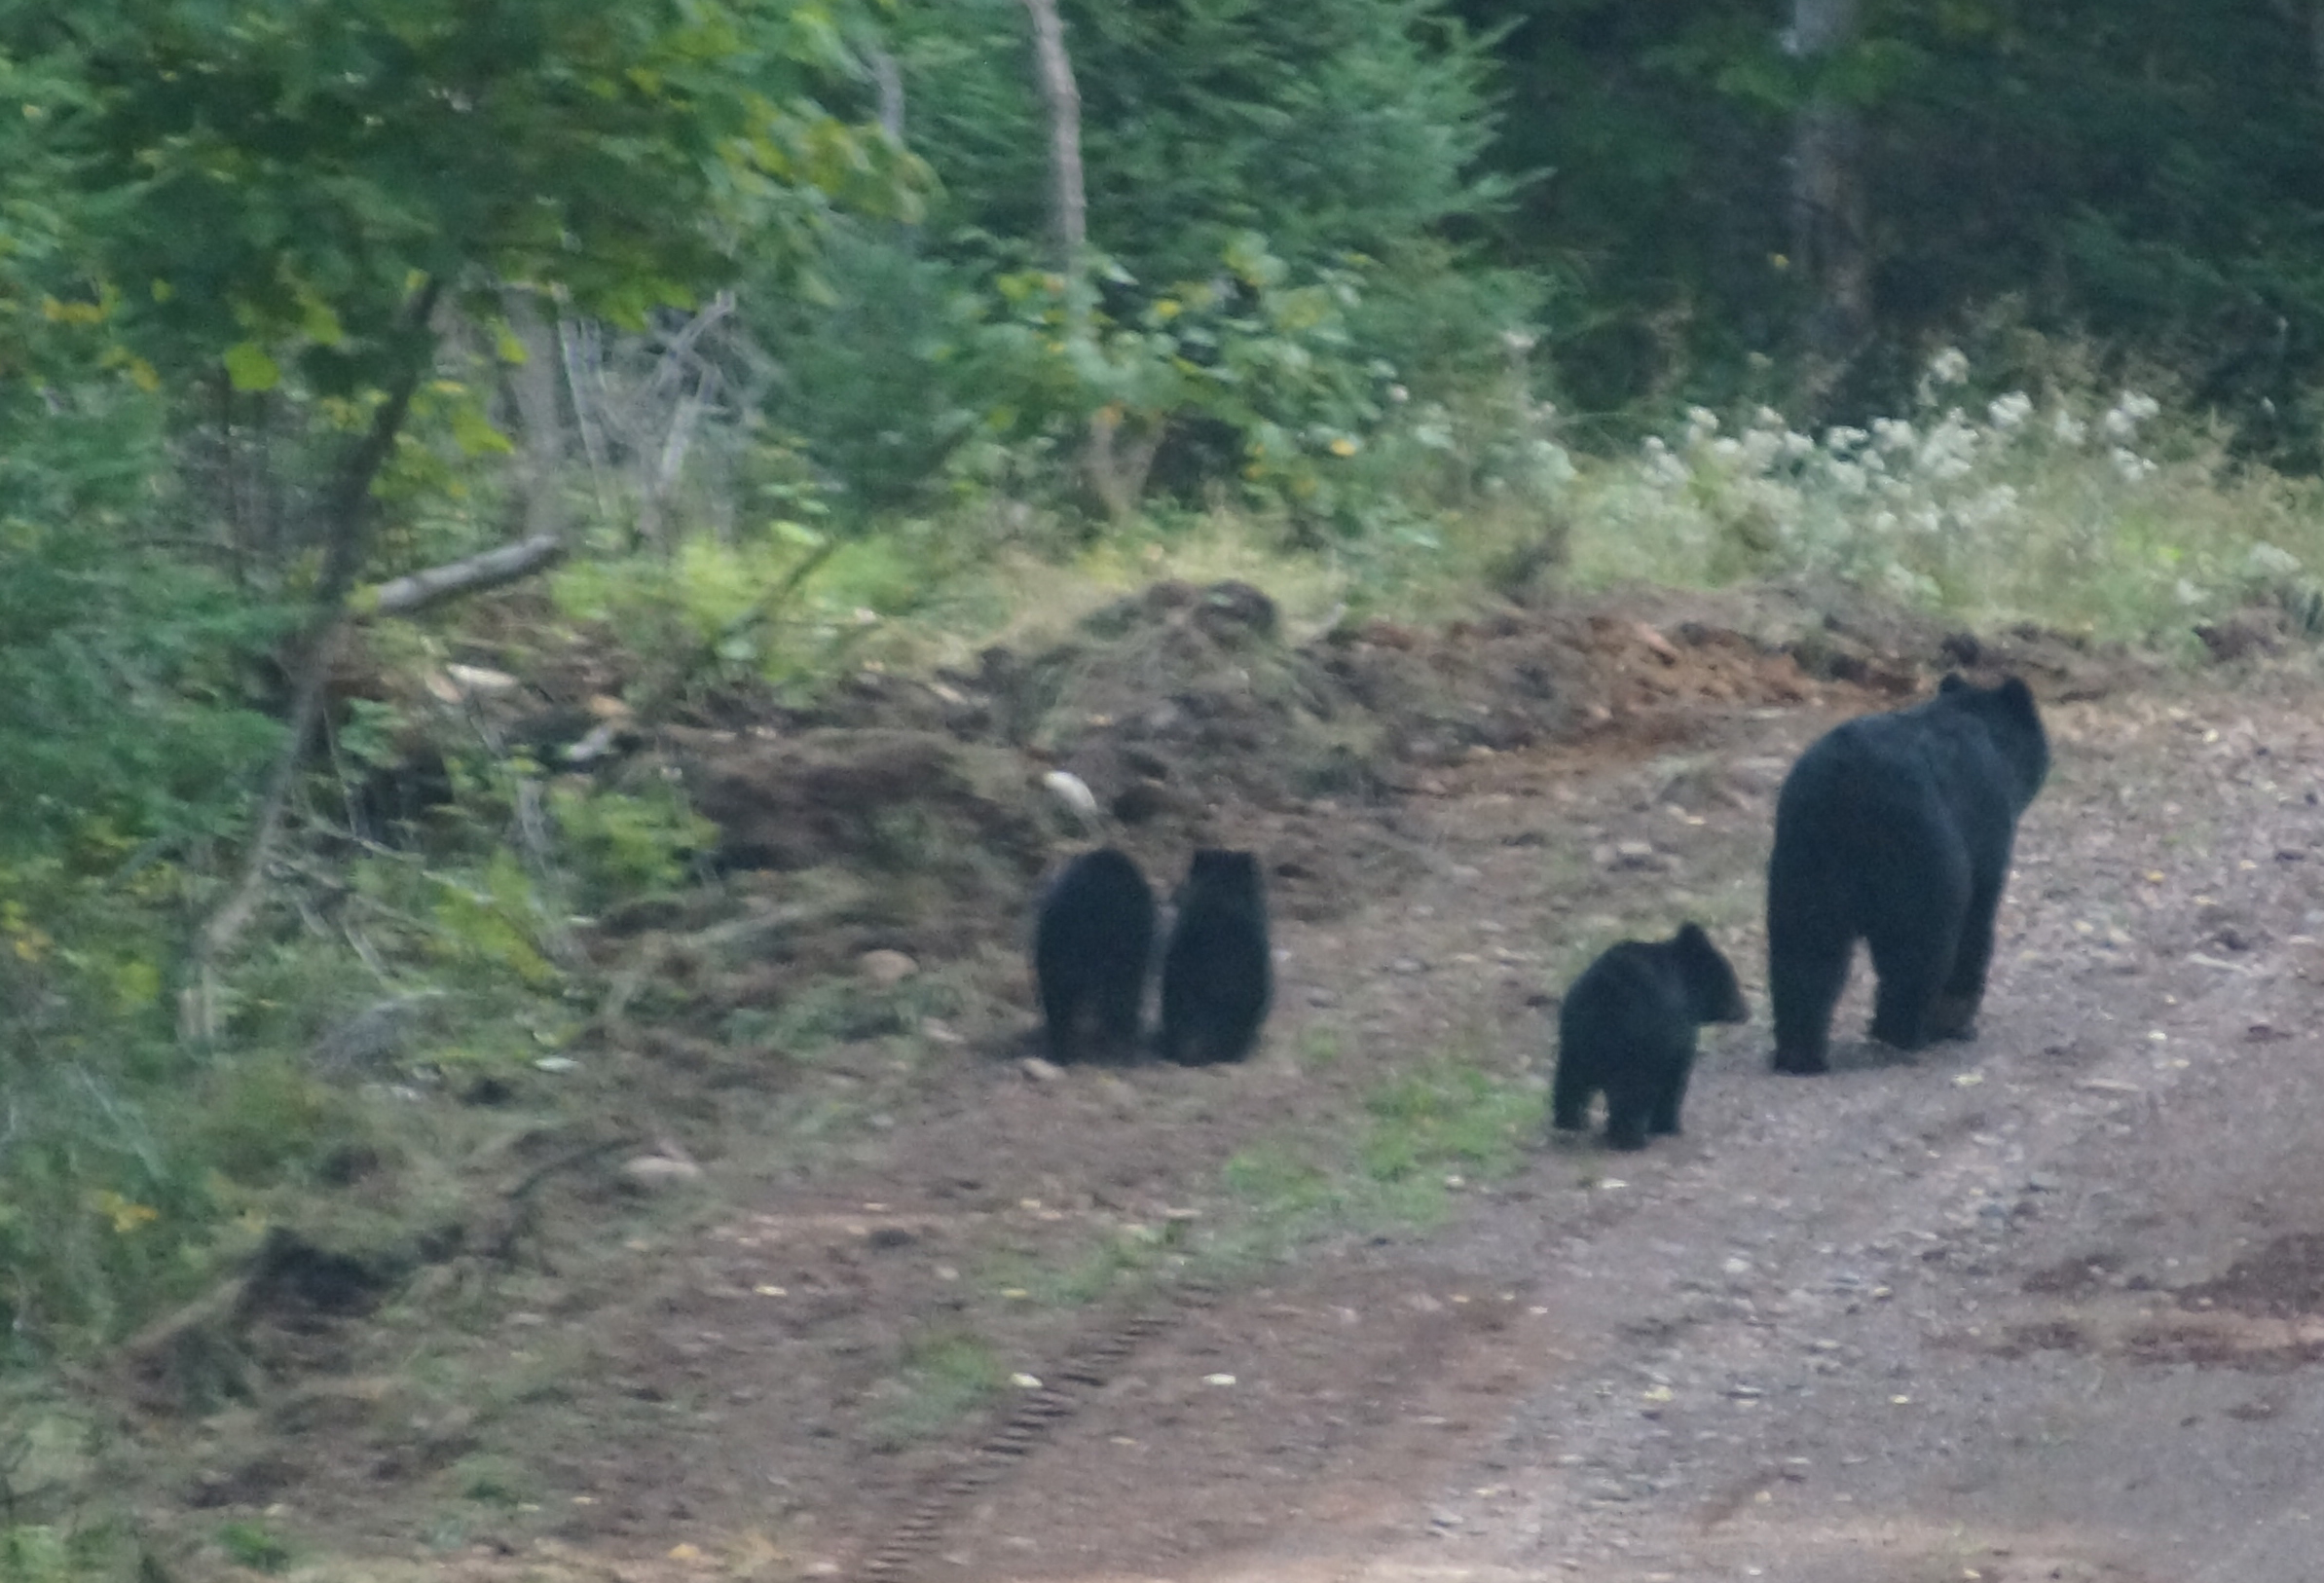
[[886, 967], [657, 1172], [1073, 791], [477, 679], [1040, 1070]]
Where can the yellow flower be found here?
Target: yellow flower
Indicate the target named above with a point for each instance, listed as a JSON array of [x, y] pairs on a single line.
[[1342, 445], [125, 1215]]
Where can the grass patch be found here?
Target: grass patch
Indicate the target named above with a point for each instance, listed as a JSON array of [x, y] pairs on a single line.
[[945, 1376], [254, 1545], [1449, 1117], [492, 1480], [1426, 1133]]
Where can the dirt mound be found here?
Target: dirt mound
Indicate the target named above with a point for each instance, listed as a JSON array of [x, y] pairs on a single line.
[[1521, 680], [1177, 697], [885, 799], [904, 841]]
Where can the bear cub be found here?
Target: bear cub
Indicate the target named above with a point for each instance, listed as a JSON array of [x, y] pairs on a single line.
[[1217, 969], [1896, 829], [1090, 950], [1628, 1029]]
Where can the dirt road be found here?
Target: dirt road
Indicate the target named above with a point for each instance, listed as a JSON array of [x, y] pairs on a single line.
[[2044, 1305]]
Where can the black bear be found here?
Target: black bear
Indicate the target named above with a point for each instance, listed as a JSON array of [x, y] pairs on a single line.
[[1090, 949], [1897, 829], [1217, 976], [1628, 1029]]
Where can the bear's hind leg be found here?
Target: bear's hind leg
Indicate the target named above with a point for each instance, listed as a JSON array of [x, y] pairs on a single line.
[[1807, 968], [1664, 1122], [1626, 1121], [1569, 1094], [1953, 1015], [1912, 958]]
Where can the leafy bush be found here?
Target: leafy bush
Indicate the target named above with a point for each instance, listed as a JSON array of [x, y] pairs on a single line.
[[628, 845]]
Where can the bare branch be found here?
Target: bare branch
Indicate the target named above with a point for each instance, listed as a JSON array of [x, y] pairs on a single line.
[[493, 568]]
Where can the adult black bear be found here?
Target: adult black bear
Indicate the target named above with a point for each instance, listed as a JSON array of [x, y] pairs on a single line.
[[1090, 950], [1628, 1029], [1217, 976], [1897, 829]]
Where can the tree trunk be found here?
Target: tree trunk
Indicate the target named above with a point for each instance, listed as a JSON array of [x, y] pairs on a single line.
[[540, 449], [1828, 236], [1115, 461], [887, 79], [1068, 196], [347, 517]]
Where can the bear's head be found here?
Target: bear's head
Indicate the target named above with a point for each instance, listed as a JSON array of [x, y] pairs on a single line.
[[1713, 992], [1217, 875], [2011, 718]]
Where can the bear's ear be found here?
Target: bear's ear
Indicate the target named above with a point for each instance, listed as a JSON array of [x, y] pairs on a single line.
[[1691, 937], [2016, 694], [1952, 684]]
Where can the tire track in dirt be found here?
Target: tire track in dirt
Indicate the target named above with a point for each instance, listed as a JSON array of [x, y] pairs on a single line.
[[1065, 1389]]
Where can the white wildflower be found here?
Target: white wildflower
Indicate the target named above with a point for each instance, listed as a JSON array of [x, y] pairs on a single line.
[[2131, 466], [1848, 478], [2068, 429], [1552, 465], [1663, 469], [1906, 583], [1949, 366], [1946, 451], [2266, 559], [2129, 410], [1892, 433], [1885, 522], [2008, 411], [1797, 445], [2186, 593], [1990, 506], [1841, 440]]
